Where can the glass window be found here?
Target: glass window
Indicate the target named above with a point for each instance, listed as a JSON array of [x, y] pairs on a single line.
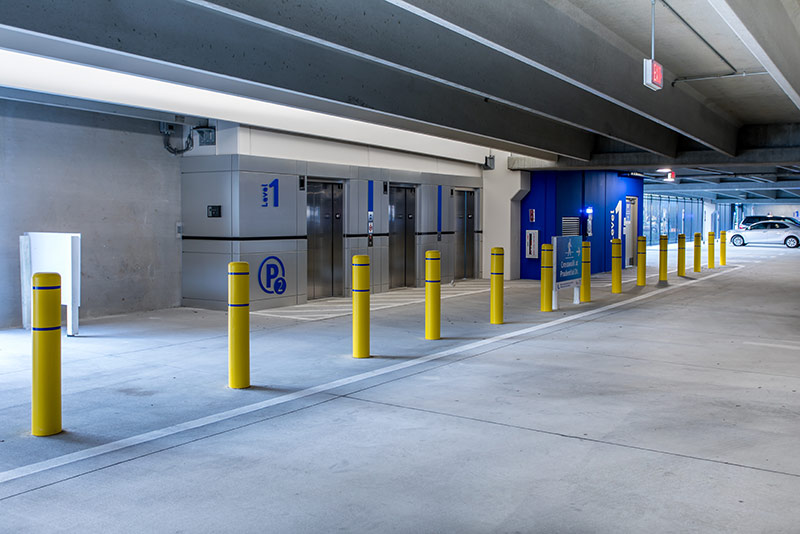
[[780, 226], [759, 226]]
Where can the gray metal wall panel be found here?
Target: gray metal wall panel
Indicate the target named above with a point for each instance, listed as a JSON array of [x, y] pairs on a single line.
[[206, 164], [266, 165], [205, 246], [332, 170], [427, 208], [205, 276], [258, 214], [200, 190], [293, 254]]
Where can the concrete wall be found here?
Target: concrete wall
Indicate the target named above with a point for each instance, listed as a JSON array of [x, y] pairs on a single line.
[[108, 178]]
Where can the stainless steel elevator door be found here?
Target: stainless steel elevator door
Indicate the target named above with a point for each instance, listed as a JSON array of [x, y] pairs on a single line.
[[402, 241], [325, 219], [465, 234]]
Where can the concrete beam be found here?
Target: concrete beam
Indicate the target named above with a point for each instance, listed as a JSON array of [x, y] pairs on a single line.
[[757, 157], [755, 201], [383, 31], [762, 194], [727, 186], [160, 40], [546, 37], [767, 30]]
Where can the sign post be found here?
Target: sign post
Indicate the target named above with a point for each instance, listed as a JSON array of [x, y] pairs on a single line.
[[567, 266]]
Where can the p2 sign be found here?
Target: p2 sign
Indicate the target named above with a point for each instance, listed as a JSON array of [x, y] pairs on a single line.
[[272, 276]]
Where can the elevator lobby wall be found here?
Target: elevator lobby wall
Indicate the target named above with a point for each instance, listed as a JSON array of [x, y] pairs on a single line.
[[557, 194]]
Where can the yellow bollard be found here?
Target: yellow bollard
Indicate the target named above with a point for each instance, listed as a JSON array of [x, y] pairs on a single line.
[[238, 325], [697, 253], [586, 272], [496, 293], [723, 241], [616, 266], [710, 250], [681, 255], [361, 306], [546, 285], [641, 261], [662, 258], [46, 329], [433, 294]]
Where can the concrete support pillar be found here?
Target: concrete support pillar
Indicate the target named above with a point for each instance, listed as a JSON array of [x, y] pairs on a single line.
[[502, 192]]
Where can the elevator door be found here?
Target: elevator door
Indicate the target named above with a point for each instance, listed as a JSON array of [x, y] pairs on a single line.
[[465, 234], [402, 244], [325, 240]]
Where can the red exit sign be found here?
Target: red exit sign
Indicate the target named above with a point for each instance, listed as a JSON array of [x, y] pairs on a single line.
[[653, 74]]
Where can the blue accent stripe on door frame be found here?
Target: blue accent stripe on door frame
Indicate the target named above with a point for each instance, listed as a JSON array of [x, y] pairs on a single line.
[[370, 191], [439, 214]]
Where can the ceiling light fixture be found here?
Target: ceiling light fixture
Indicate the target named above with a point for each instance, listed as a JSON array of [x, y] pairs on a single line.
[[28, 72], [665, 169]]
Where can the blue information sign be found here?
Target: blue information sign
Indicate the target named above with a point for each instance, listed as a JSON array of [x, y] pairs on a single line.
[[567, 261]]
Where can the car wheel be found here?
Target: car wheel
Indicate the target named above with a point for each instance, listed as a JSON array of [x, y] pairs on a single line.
[[791, 242], [737, 241]]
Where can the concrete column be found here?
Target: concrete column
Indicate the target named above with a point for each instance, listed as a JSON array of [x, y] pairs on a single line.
[[502, 192]]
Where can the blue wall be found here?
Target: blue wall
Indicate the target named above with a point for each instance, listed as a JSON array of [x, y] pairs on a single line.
[[557, 194]]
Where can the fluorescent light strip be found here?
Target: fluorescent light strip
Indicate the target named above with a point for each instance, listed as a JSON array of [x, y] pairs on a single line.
[[51, 76]]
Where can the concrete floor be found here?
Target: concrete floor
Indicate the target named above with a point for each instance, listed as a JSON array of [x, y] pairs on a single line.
[[664, 409]]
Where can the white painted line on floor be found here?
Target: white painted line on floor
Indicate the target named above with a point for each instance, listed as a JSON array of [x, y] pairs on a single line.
[[379, 301], [774, 345], [93, 452]]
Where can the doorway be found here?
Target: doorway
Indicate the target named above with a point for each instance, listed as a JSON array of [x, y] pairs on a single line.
[[465, 234], [402, 242], [324, 218]]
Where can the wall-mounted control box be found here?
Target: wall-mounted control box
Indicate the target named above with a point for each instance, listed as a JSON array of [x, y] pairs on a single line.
[[214, 211]]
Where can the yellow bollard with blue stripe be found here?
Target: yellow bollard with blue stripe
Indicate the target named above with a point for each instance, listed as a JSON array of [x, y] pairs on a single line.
[[710, 250], [496, 287], [697, 252], [723, 241], [616, 266], [546, 282], [586, 271], [361, 307], [46, 333], [681, 255], [433, 294], [641, 261], [662, 257], [238, 325]]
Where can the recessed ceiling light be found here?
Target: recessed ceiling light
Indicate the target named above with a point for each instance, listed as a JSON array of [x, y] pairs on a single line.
[[665, 169]]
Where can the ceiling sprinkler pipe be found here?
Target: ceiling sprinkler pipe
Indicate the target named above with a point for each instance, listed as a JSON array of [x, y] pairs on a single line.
[[718, 77]]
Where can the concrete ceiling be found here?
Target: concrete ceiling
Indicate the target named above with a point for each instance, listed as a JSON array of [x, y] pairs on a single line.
[[536, 77], [750, 100]]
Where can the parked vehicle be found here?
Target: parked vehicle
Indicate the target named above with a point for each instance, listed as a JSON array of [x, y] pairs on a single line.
[[770, 231], [752, 219]]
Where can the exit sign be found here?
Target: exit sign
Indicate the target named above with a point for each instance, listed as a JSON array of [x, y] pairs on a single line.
[[653, 74]]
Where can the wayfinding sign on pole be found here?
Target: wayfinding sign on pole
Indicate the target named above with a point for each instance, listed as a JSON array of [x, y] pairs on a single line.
[[567, 266]]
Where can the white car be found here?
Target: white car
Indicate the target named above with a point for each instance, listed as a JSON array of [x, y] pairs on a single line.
[[773, 232]]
